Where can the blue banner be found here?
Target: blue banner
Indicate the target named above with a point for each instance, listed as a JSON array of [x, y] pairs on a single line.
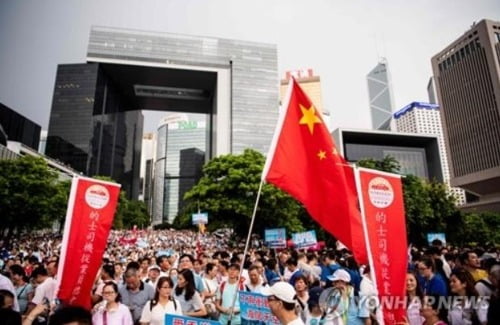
[[304, 239], [255, 310], [184, 320], [275, 238]]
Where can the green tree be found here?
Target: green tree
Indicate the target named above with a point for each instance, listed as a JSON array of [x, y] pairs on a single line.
[[135, 214], [228, 190], [29, 196], [59, 202], [387, 164], [476, 229]]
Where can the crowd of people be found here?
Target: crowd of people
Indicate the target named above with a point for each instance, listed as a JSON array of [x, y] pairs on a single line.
[[148, 274]]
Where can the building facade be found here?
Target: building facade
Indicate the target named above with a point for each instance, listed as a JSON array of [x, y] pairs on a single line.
[[417, 154], [311, 84], [16, 127], [90, 128], [380, 96], [467, 80], [148, 150], [424, 118], [96, 121], [180, 155]]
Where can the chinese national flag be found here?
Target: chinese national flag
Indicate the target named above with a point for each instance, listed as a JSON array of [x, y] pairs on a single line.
[[304, 162]]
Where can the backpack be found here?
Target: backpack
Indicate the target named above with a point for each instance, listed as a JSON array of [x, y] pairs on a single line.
[[487, 284]]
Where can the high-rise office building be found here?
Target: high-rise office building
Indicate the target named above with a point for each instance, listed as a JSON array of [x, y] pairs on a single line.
[[180, 155], [467, 76], [15, 127], [91, 129], [311, 84], [148, 149], [424, 118], [380, 95], [96, 121], [43, 142], [431, 91]]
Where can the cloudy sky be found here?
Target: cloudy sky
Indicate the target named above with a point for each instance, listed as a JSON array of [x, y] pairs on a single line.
[[340, 40]]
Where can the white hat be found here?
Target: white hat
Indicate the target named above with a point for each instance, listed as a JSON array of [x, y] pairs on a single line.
[[282, 290], [340, 275], [154, 267]]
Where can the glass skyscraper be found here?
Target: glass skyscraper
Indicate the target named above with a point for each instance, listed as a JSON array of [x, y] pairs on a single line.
[[91, 129], [180, 155], [380, 94]]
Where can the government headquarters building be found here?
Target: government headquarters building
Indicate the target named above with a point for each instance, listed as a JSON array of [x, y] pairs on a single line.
[[96, 122]]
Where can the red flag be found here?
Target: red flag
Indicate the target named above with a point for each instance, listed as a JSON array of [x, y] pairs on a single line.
[[304, 162], [382, 197], [91, 208]]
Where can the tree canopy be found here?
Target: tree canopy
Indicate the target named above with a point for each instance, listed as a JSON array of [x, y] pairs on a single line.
[[31, 197], [227, 191]]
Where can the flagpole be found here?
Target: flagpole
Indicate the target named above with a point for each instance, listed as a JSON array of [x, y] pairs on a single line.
[[357, 180], [245, 250]]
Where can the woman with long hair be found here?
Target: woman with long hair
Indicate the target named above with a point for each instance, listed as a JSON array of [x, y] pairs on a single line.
[[466, 306], [111, 310], [433, 312], [189, 299], [414, 298], [163, 303]]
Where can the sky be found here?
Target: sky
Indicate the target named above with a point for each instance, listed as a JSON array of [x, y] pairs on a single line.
[[340, 40]]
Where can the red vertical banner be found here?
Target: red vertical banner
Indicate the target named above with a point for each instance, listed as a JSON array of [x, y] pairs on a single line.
[[383, 207], [91, 209]]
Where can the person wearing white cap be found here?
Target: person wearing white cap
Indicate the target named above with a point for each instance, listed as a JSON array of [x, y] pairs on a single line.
[[154, 273], [350, 309], [282, 300]]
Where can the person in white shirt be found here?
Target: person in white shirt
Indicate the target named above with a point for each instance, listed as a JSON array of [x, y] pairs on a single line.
[[254, 283], [282, 301], [162, 304], [46, 288]]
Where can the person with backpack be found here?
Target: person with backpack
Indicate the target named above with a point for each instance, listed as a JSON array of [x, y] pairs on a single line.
[[485, 287], [226, 295], [162, 304], [24, 290]]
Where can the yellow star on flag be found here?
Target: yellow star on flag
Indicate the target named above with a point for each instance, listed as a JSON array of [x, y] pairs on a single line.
[[334, 152], [309, 117], [322, 155]]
